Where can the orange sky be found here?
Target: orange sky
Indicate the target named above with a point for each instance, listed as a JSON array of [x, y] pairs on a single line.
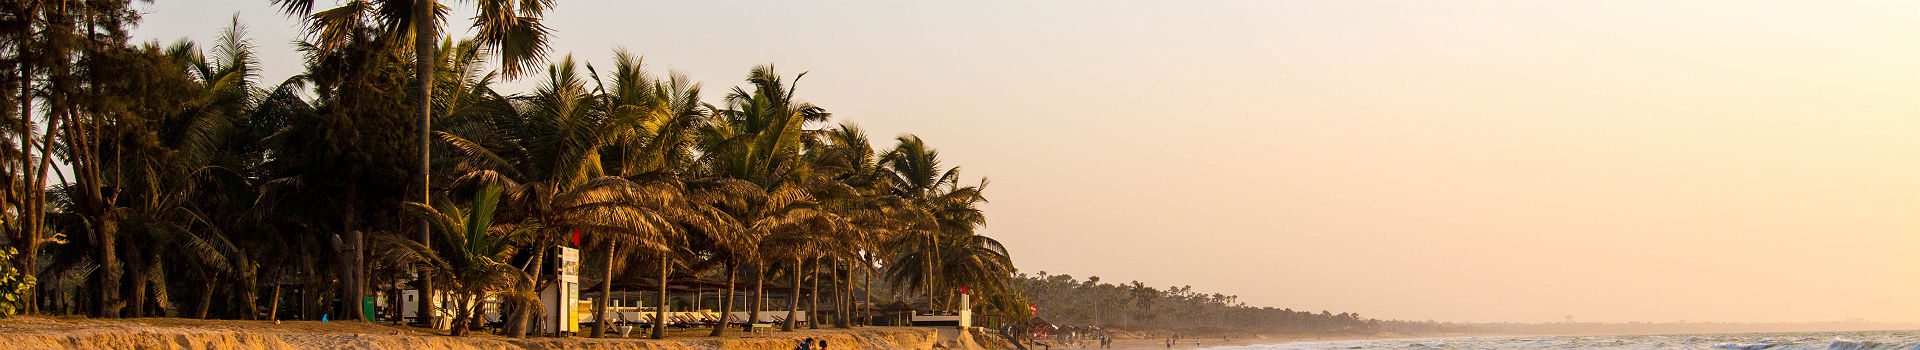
[[1455, 161]]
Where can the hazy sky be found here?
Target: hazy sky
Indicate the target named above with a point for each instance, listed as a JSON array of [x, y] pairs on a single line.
[[1455, 161]]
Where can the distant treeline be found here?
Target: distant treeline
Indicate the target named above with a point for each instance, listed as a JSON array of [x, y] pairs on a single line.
[[1063, 300]]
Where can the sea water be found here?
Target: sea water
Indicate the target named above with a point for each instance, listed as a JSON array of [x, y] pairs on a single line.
[[1871, 340]]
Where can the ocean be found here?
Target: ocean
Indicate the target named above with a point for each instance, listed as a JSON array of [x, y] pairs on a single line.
[[1869, 340]]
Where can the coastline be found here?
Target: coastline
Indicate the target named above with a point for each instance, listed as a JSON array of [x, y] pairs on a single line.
[[1134, 343]]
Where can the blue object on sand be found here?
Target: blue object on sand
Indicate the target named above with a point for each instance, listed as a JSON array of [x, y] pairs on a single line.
[[323, 317]]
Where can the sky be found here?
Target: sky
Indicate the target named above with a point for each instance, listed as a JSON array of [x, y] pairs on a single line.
[[1752, 161]]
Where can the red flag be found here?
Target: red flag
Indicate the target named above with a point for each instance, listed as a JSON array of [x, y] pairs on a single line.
[[576, 238], [963, 289]]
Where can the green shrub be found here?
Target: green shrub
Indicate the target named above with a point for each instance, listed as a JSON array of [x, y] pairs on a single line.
[[13, 285]]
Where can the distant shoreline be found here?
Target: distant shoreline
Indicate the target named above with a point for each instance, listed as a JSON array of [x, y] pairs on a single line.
[[1133, 342]]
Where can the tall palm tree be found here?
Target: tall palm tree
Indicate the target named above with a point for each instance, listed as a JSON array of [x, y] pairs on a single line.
[[939, 207]]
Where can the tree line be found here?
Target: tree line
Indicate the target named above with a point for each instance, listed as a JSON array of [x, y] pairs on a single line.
[[1064, 300], [150, 179]]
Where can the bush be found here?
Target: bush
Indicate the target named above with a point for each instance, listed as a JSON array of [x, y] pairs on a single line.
[[13, 285]]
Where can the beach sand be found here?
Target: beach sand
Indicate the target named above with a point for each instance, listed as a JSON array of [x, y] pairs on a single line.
[[175, 333], [1146, 344]]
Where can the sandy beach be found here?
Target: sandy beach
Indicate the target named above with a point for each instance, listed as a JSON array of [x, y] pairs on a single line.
[[174, 333]]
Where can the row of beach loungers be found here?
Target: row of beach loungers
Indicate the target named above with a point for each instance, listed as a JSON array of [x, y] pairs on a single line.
[[692, 318]]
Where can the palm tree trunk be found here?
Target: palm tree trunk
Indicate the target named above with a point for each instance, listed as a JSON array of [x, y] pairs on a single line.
[[394, 303], [250, 295], [606, 295], [842, 303], [108, 288], [660, 311], [523, 318], [137, 284], [350, 286], [206, 301], [461, 312], [726, 303], [927, 271], [793, 298], [474, 316], [423, 45], [813, 304], [273, 310], [759, 292], [867, 293]]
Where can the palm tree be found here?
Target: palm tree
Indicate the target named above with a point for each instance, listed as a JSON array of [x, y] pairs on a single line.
[[597, 161], [939, 207], [854, 186], [471, 256], [551, 142], [658, 152], [977, 261], [757, 140]]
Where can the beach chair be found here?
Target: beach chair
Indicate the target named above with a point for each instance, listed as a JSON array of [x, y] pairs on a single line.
[[493, 322]]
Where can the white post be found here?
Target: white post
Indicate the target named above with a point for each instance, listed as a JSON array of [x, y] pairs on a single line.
[[966, 311]]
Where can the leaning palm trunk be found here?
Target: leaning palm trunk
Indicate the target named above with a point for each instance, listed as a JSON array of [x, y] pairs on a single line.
[[927, 282], [660, 311], [867, 294], [726, 304], [793, 298], [813, 304], [206, 301], [759, 292], [273, 310], [606, 295]]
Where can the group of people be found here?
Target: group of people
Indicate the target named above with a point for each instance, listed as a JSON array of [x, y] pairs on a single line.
[[1075, 338], [809, 344], [1176, 340]]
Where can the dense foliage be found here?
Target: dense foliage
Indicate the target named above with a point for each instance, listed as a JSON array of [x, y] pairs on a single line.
[[149, 179]]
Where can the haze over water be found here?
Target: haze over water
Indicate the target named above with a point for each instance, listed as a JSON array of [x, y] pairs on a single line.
[[1750, 341], [1454, 161]]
